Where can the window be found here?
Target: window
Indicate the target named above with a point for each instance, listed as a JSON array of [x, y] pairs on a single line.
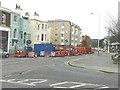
[[56, 34], [62, 29], [62, 40], [75, 36], [10, 34], [14, 43], [66, 41], [15, 18], [62, 35], [24, 37], [42, 36], [72, 35], [45, 37], [38, 26], [76, 31], [45, 26], [56, 28], [21, 36], [3, 18], [55, 40], [14, 33], [42, 26], [38, 37], [62, 23]]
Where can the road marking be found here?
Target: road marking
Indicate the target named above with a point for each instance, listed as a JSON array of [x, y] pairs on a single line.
[[81, 84], [65, 84], [2, 80], [78, 84], [104, 87], [58, 84], [32, 82], [66, 63], [59, 87]]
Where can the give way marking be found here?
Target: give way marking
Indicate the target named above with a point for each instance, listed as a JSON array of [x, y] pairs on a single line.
[[31, 82], [68, 84]]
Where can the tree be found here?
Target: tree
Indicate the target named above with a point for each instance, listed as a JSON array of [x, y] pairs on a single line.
[[101, 43], [113, 28], [29, 42]]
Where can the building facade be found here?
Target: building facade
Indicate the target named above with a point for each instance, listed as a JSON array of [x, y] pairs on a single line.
[[39, 30], [76, 35], [64, 32], [14, 30], [24, 33], [4, 27], [19, 33]]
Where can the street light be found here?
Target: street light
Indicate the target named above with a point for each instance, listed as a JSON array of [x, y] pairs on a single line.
[[98, 29], [109, 31]]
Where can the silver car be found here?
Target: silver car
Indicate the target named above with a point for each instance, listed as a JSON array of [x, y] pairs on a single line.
[[4, 54]]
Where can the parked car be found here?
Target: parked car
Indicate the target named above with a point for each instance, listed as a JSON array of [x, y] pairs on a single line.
[[116, 57], [4, 53]]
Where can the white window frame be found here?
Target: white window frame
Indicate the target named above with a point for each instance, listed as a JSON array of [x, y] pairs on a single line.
[[15, 18], [3, 18]]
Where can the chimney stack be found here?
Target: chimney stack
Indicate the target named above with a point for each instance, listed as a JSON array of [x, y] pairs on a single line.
[[27, 14], [18, 9], [36, 16]]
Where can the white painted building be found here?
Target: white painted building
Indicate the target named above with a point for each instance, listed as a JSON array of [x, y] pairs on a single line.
[[39, 30]]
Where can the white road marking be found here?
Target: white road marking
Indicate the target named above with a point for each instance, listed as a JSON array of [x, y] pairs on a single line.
[[2, 80], [32, 82], [78, 84], [59, 87], [101, 86], [104, 87], [58, 83], [11, 80], [39, 81]]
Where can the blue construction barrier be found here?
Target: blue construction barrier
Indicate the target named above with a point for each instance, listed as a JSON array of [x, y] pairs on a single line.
[[52, 54], [42, 53]]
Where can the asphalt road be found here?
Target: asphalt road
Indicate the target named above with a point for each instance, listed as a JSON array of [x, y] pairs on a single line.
[[44, 72]]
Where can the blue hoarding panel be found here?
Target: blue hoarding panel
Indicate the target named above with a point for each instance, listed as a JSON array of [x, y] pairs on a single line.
[[42, 47]]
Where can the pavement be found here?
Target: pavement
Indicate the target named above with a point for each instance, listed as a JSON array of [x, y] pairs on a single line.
[[101, 63]]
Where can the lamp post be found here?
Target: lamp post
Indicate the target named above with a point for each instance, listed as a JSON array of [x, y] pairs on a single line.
[[98, 30], [108, 30], [108, 41]]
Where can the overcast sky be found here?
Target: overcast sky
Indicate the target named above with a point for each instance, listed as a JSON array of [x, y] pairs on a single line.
[[76, 11]]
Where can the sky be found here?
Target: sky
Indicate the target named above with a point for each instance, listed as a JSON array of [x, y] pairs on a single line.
[[76, 11]]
